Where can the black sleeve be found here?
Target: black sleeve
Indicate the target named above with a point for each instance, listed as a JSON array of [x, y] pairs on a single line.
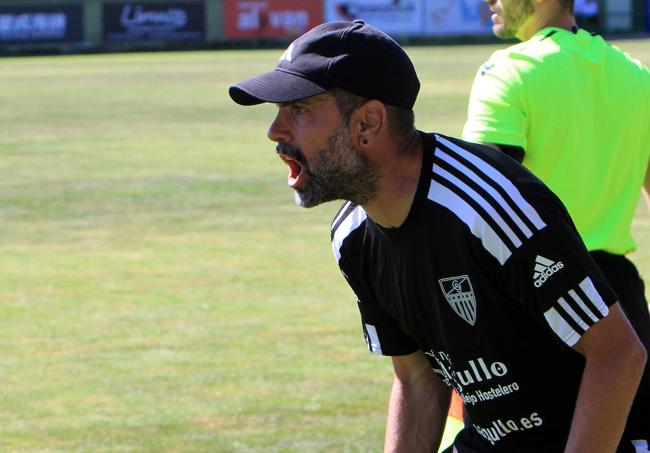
[[516, 152], [382, 332], [553, 277]]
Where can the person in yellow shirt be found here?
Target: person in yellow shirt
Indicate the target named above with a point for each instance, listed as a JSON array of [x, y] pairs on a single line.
[[575, 110]]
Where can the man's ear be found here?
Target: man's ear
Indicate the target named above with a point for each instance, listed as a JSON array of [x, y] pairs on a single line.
[[368, 122]]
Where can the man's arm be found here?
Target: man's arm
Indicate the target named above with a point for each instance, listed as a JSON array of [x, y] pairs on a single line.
[[615, 359], [418, 406]]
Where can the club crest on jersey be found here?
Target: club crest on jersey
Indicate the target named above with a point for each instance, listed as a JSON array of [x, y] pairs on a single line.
[[459, 293]]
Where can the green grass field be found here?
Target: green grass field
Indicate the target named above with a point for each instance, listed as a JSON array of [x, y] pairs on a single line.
[[159, 290]]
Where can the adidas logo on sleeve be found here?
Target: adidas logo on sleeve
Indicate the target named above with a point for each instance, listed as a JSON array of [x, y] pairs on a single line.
[[544, 268]]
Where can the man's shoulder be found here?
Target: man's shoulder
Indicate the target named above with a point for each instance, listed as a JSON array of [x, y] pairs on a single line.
[[508, 64], [497, 199], [526, 53], [557, 48], [479, 152], [623, 62]]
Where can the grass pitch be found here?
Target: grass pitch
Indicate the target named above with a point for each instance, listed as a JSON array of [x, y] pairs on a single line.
[[160, 292]]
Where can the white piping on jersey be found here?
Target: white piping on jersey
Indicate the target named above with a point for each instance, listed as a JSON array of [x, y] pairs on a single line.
[[488, 188], [496, 176], [341, 213], [479, 227], [481, 201], [373, 340], [562, 317], [349, 224], [640, 445]]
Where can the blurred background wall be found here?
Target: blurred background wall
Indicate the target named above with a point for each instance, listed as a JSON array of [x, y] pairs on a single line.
[[115, 25]]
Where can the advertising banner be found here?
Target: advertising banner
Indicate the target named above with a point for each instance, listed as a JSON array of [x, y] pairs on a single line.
[[160, 21], [253, 19], [41, 23], [395, 17], [457, 17]]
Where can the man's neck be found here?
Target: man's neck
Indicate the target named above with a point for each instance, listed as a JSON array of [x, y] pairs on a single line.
[[400, 175], [537, 22]]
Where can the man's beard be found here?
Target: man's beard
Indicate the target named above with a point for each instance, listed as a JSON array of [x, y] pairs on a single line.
[[512, 18], [338, 172]]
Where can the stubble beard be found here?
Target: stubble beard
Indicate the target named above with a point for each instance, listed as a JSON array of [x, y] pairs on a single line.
[[338, 172], [512, 19]]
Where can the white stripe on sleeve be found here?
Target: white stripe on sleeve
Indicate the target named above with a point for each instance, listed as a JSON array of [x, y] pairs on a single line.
[[590, 290], [373, 339], [561, 328], [578, 300], [575, 316]]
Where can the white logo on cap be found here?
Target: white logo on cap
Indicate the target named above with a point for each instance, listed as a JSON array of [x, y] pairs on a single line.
[[288, 54]]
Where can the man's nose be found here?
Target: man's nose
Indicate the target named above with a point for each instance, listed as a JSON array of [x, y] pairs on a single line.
[[278, 130]]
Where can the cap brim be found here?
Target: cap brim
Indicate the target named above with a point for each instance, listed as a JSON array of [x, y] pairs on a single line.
[[276, 86]]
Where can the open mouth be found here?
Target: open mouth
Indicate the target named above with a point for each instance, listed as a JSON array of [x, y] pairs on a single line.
[[295, 170]]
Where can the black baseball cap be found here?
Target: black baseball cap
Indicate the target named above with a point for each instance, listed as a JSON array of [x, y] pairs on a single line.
[[353, 56]]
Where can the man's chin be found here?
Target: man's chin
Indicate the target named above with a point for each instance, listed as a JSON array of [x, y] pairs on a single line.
[[307, 199], [502, 32], [304, 200]]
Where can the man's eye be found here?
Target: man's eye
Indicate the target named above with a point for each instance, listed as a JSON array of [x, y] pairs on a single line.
[[297, 108]]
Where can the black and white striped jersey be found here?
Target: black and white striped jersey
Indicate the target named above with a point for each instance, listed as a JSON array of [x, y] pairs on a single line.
[[487, 275]]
